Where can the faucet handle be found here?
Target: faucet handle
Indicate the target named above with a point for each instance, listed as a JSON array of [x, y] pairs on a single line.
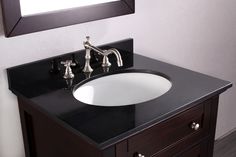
[[68, 72], [68, 63], [88, 38], [87, 42]]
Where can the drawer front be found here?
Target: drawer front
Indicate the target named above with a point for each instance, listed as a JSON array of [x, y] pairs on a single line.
[[199, 150], [171, 131], [185, 148]]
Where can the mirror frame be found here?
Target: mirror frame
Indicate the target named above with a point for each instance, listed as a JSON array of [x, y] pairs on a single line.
[[16, 24]]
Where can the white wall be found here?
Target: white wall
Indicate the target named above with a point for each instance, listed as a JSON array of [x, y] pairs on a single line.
[[197, 34]]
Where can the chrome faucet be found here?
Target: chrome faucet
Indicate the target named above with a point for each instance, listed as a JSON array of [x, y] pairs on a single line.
[[105, 63]]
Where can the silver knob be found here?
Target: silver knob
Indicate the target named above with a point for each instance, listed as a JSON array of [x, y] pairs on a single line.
[[195, 126], [138, 155]]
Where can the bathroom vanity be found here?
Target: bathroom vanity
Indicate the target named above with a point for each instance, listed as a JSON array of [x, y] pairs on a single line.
[[179, 123]]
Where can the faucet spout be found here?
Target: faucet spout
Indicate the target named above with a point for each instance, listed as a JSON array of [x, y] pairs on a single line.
[[118, 56], [88, 47]]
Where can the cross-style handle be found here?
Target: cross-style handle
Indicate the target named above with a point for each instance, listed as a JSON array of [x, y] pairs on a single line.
[[68, 72], [68, 63]]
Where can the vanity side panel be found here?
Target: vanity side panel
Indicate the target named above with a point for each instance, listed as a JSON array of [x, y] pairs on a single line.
[[44, 137], [28, 137], [214, 111]]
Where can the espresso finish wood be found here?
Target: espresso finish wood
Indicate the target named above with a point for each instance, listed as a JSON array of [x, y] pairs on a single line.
[[16, 24], [11, 15], [183, 147], [199, 150], [45, 137], [28, 132], [214, 110], [122, 149], [174, 137], [171, 131]]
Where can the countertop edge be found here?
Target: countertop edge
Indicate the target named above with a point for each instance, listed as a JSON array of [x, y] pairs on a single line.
[[166, 116]]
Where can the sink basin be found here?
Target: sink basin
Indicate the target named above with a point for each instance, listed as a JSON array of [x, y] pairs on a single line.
[[122, 89]]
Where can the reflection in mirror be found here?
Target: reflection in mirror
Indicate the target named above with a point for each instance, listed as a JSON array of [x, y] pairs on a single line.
[[29, 7]]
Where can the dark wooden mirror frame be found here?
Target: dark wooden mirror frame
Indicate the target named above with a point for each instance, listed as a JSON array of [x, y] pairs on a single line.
[[16, 24]]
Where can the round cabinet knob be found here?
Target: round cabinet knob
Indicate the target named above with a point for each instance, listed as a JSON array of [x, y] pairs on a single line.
[[138, 155], [195, 126]]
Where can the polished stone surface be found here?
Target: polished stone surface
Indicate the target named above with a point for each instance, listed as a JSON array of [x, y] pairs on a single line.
[[43, 85]]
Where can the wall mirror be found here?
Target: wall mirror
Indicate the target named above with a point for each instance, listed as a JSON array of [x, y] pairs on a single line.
[[28, 16]]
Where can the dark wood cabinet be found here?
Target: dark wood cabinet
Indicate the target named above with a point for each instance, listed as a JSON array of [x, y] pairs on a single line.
[[180, 123], [174, 137], [196, 151], [171, 131]]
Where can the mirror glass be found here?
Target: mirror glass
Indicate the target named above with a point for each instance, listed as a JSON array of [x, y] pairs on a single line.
[[30, 7]]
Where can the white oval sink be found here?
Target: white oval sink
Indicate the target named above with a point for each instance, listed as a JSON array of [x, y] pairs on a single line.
[[122, 89]]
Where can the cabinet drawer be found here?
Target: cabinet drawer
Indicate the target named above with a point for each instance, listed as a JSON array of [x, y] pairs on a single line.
[[198, 150], [171, 131]]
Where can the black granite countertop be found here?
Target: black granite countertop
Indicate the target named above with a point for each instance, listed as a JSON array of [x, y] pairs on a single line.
[[104, 126]]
